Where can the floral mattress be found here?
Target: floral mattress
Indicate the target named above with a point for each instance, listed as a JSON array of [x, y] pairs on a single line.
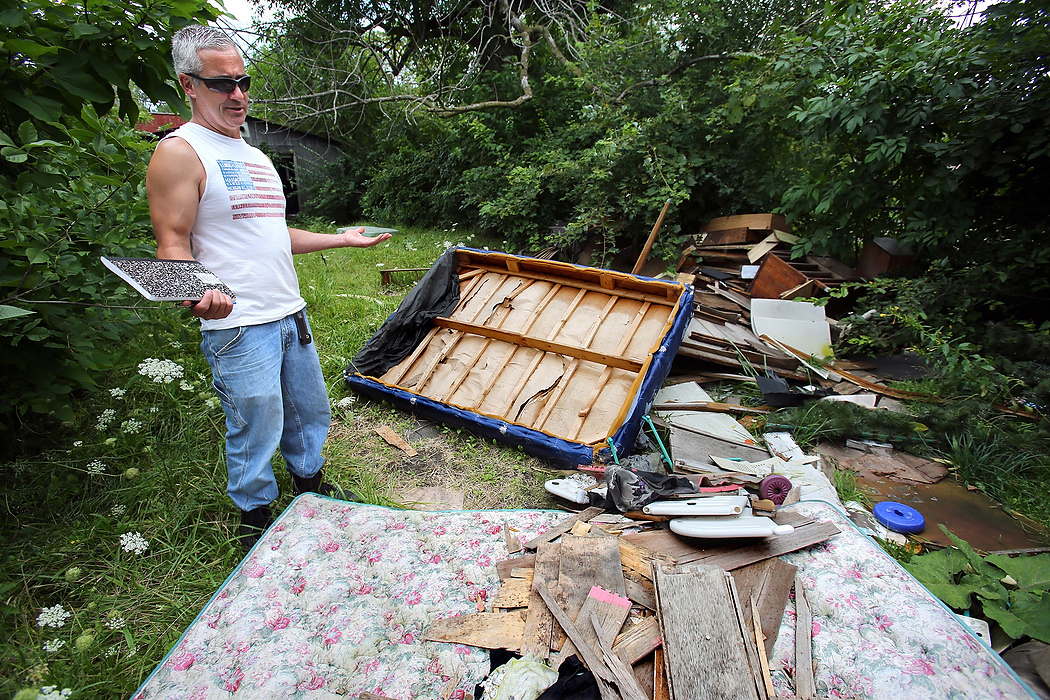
[[334, 600]]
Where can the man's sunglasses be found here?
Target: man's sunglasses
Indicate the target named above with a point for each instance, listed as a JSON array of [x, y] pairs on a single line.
[[224, 86]]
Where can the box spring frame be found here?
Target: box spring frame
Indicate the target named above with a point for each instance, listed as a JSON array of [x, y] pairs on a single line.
[[559, 359]]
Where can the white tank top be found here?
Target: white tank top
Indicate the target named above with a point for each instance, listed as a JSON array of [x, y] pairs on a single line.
[[240, 232]]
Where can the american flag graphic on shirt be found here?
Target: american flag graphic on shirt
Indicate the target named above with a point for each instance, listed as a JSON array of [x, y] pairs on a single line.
[[255, 190]]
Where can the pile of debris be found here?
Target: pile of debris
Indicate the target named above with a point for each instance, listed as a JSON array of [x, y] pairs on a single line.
[[629, 606]]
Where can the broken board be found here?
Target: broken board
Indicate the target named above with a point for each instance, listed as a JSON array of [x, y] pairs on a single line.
[[556, 358]]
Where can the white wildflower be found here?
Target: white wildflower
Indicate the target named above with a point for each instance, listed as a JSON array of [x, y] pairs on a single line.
[[131, 426], [105, 418], [78, 443], [96, 467], [116, 623], [110, 652], [53, 645], [51, 692], [185, 386], [117, 393], [346, 402], [448, 244], [118, 510], [133, 542], [160, 371], [154, 409], [380, 264], [212, 402], [53, 617]]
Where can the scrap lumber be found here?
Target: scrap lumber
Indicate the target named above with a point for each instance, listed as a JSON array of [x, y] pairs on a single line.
[[660, 689], [392, 438], [513, 593], [760, 644], [482, 629], [539, 624], [586, 562], [563, 527], [505, 569], [652, 239], [610, 611], [664, 543], [638, 640], [767, 584], [708, 651], [805, 686]]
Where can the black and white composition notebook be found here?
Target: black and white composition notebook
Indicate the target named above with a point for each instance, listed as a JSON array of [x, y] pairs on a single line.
[[167, 280]]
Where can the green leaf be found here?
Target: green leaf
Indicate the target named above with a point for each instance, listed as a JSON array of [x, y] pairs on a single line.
[[1026, 615], [7, 312], [14, 155], [1031, 573]]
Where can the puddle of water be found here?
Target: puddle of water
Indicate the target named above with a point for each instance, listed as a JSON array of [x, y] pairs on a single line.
[[970, 515]]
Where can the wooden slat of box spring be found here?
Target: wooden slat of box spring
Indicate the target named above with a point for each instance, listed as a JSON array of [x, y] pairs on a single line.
[[543, 344]]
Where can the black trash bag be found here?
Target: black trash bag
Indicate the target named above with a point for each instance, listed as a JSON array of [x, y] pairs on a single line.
[[574, 682]]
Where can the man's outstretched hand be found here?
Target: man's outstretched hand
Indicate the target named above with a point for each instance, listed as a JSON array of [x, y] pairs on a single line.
[[213, 305], [356, 238]]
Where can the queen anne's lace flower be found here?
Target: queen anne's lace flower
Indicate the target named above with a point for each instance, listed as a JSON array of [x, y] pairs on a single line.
[[116, 623], [131, 426], [53, 617], [96, 467], [105, 419], [117, 393], [53, 645], [160, 371], [133, 542], [51, 692]]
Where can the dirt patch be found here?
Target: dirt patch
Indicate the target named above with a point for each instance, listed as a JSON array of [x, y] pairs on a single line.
[[490, 475]]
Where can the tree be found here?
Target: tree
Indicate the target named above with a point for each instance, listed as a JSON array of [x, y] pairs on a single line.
[[72, 187]]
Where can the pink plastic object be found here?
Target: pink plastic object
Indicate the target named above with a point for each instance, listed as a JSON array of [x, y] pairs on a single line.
[[775, 488]]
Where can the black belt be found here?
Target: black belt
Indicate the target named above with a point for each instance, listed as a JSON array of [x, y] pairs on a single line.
[[300, 325]]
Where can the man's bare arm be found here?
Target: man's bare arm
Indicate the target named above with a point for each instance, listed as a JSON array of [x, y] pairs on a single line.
[[310, 242], [174, 182]]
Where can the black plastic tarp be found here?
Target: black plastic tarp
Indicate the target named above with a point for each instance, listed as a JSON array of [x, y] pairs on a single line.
[[437, 294]]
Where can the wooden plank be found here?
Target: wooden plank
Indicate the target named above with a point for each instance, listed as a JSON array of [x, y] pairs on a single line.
[[704, 643], [392, 438], [513, 544], [622, 290], [768, 583], [428, 369], [551, 401], [514, 593], [588, 563], [587, 653], [483, 629], [515, 392], [760, 644], [805, 686], [638, 640], [660, 689], [625, 680], [647, 248], [728, 556], [539, 624], [609, 609], [638, 558], [639, 590], [397, 373], [514, 338], [506, 567], [564, 526], [762, 221], [534, 316]]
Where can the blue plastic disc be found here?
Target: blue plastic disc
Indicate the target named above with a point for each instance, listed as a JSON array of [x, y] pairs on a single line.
[[899, 517]]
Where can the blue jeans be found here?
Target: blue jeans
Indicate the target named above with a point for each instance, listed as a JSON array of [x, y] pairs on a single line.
[[274, 395]]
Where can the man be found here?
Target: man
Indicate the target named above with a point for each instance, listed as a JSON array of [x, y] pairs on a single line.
[[216, 199]]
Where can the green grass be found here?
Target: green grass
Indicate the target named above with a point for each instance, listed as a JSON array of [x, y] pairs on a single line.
[[156, 468]]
